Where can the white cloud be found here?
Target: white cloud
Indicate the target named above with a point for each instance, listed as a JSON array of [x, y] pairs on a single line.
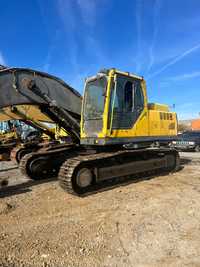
[[50, 52], [70, 27], [175, 60], [157, 7], [186, 76], [187, 110], [187, 115], [88, 10], [138, 16], [2, 59]]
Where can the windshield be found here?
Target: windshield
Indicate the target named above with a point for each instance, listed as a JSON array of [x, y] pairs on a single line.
[[95, 99]]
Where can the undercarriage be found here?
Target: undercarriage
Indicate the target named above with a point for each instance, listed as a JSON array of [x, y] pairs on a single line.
[[80, 170], [46, 162], [86, 173]]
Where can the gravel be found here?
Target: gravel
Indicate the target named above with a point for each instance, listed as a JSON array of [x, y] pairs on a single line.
[[154, 222]]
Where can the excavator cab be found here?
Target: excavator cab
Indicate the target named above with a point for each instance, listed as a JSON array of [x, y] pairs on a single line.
[[114, 108], [115, 111]]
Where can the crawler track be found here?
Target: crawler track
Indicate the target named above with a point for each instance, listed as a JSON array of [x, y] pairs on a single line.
[[45, 163], [109, 168], [18, 153]]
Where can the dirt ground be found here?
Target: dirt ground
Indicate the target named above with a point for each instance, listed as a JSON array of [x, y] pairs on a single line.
[[153, 222]]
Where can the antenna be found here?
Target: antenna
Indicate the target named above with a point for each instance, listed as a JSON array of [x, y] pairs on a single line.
[[173, 106]]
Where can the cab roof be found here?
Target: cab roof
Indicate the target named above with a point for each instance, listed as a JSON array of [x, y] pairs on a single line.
[[107, 71]]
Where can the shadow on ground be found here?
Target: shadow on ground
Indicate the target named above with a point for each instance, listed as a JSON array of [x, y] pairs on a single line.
[[124, 181], [185, 161], [103, 186], [9, 169], [22, 188]]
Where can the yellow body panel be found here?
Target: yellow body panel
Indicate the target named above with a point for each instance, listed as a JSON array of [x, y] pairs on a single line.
[[159, 107], [162, 123], [150, 124], [8, 136]]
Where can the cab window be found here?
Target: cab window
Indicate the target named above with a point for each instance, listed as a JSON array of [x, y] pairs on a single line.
[[129, 96], [127, 102]]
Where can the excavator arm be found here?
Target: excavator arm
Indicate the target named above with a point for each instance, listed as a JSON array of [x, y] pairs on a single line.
[[41, 96]]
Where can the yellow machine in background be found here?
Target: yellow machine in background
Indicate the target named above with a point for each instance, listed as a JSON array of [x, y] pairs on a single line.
[[7, 131], [32, 114], [51, 135], [18, 138], [7, 137]]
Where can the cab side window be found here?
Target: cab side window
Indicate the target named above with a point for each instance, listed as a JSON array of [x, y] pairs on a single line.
[[139, 98], [127, 101], [129, 96]]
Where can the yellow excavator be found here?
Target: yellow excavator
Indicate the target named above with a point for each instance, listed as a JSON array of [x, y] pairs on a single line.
[[48, 135], [20, 137], [17, 135], [8, 139], [116, 133]]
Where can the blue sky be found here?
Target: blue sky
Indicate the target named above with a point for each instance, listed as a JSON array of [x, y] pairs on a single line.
[[72, 39]]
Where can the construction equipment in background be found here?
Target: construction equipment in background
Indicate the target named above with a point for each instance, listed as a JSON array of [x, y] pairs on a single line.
[[33, 140], [15, 132], [20, 137], [8, 139], [50, 136], [120, 134]]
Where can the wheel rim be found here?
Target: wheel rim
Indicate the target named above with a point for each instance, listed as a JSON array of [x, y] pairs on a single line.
[[84, 178]]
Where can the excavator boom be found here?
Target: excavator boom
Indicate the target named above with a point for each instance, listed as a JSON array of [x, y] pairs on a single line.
[[41, 96]]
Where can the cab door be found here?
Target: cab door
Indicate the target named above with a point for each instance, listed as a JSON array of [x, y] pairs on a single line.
[[127, 107]]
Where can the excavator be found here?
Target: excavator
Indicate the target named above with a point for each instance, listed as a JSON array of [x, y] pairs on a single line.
[[115, 132], [17, 135], [31, 142], [8, 139]]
